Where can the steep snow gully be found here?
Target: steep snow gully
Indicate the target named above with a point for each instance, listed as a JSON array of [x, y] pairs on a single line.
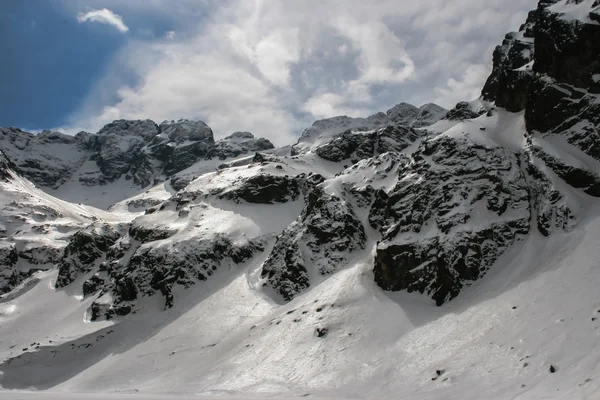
[[420, 253]]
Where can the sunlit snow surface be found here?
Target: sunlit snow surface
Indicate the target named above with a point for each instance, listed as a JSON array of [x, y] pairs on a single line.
[[535, 308], [539, 306]]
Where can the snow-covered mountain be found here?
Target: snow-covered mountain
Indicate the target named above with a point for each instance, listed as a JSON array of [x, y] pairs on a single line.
[[119, 161], [418, 253]]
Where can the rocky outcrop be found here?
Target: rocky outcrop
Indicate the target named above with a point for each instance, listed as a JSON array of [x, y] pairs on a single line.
[[180, 144], [458, 207], [85, 249], [351, 146], [551, 70], [263, 189], [402, 114], [159, 268], [9, 276], [47, 159], [238, 143], [463, 111], [319, 242], [434, 239], [6, 166]]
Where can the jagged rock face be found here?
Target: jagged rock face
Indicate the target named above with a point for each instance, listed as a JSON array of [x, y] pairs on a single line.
[[428, 114], [180, 144], [355, 146], [568, 52], [120, 151], [511, 74], [550, 206], [41, 255], [409, 115], [457, 208], [144, 234], [579, 178], [33, 231], [144, 129], [463, 111], [322, 130], [352, 146], [158, 268], [551, 69], [6, 165], [8, 274], [545, 63], [47, 159], [151, 259], [402, 114], [264, 189], [317, 243], [83, 251], [238, 143]]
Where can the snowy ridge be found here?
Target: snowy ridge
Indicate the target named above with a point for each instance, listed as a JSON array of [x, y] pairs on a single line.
[[122, 159], [401, 114]]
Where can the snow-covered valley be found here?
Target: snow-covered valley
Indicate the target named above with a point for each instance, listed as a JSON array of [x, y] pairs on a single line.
[[420, 253]]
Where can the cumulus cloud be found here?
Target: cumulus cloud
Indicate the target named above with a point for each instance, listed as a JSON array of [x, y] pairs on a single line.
[[466, 87], [104, 16], [272, 67]]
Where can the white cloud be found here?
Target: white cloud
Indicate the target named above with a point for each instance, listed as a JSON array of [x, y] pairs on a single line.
[[467, 87], [272, 67], [104, 16]]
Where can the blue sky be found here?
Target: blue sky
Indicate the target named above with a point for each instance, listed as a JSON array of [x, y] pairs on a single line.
[[267, 66], [49, 65], [52, 61]]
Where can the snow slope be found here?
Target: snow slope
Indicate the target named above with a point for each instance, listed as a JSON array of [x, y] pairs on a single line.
[[499, 338]]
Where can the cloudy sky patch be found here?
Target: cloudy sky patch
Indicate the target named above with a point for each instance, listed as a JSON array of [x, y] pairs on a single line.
[[272, 67]]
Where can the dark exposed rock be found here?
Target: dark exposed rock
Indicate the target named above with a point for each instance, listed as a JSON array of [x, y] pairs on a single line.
[[321, 332], [507, 84], [439, 267], [85, 248], [264, 189], [462, 111], [6, 166], [549, 204], [402, 114], [431, 241], [238, 143], [9, 277], [396, 138], [567, 51], [180, 144], [40, 255], [159, 269], [348, 145], [579, 178], [321, 238], [92, 285], [356, 146], [145, 234]]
